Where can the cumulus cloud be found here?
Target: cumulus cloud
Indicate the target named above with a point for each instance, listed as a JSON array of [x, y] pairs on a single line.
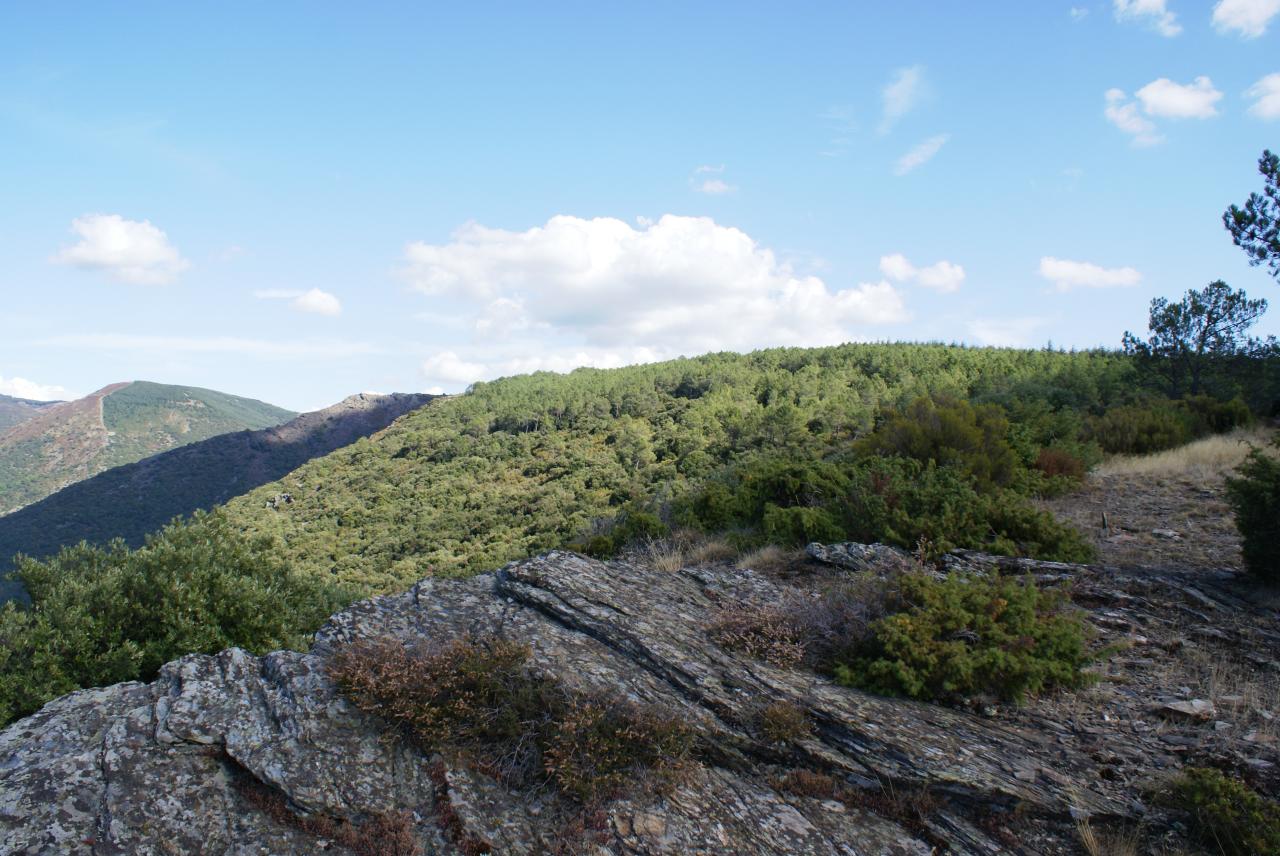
[[941, 276], [1152, 13], [901, 95], [1066, 274], [1165, 99], [920, 155], [129, 250], [1247, 18], [706, 179], [1005, 332], [312, 300], [1266, 95], [20, 387], [602, 292]]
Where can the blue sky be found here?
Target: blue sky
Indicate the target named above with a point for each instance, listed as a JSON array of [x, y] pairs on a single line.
[[295, 202]]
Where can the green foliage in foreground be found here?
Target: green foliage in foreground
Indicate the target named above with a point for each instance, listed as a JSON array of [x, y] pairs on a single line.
[[1255, 499], [1226, 815], [525, 464], [103, 615], [967, 635]]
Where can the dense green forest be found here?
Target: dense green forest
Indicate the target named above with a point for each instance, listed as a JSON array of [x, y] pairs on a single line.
[[928, 447], [528, 463]]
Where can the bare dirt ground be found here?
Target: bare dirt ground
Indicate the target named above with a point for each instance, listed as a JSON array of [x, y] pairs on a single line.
[[1163, 511]]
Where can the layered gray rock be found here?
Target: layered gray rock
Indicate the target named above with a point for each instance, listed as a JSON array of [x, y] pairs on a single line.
[[165, 767]]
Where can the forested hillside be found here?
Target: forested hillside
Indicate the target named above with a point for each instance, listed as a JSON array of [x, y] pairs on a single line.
[[119, 424], [527, 463]]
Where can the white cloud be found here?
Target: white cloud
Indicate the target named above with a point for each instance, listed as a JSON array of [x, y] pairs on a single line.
[[128, 250], [1153, 13], [1123, 113], [447, 366], [1066, 274], [19, 387], [705, 180], [1266, 95], [1005, 332], [603, 292], [1165, 99], [1079, 13], [1249, 18], [901, 95], [920, 155], [434, 390], [213, 345], [317, 301], [313, 300], [941, 276]]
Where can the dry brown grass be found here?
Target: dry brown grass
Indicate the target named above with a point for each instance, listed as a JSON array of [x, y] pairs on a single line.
[[1209, 458], [711, 550], [771, 559], [1245, 696]]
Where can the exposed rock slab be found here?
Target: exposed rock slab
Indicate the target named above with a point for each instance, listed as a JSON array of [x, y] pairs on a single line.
[[154, 768]]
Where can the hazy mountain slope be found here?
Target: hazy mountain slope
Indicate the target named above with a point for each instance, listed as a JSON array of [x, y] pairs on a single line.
[[526, 464], [131, 500], [16, 410], [118, 424]]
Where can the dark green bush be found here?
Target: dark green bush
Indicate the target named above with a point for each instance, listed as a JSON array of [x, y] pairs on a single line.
[[1140, 429], [967, 635], [1209, 415], [950, 433], [1226, 815], [1255, 499], [103, 615]]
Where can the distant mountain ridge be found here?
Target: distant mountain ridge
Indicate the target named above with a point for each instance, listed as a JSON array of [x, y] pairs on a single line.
[[135, 499], [16, 410], [65, 442]]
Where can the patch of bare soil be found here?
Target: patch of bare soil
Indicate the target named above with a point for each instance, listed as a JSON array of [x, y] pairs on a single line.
[[1155, 520]]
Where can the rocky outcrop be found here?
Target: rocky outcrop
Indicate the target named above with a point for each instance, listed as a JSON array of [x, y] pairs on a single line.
[[171, 766]]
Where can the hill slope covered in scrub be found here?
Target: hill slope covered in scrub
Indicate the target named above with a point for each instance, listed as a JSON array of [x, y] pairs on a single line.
[[135, 499], [16, 410], [529, 463], [119, 424]]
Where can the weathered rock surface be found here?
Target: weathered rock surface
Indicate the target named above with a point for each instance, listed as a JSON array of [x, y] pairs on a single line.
[[160, 768]]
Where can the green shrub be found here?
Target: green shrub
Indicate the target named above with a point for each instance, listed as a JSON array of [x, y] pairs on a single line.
[[1140, 429], [1255, 499], [101, 615], [1226, 815], [967, 635], [1209, 415], [950, 433], [523, 727]]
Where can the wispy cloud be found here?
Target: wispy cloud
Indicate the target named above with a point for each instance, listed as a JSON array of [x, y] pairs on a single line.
[[920, 155], [312, 300], [706, 179], [1154, 13], [900, 96], [212, 345], [1005, 332]]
